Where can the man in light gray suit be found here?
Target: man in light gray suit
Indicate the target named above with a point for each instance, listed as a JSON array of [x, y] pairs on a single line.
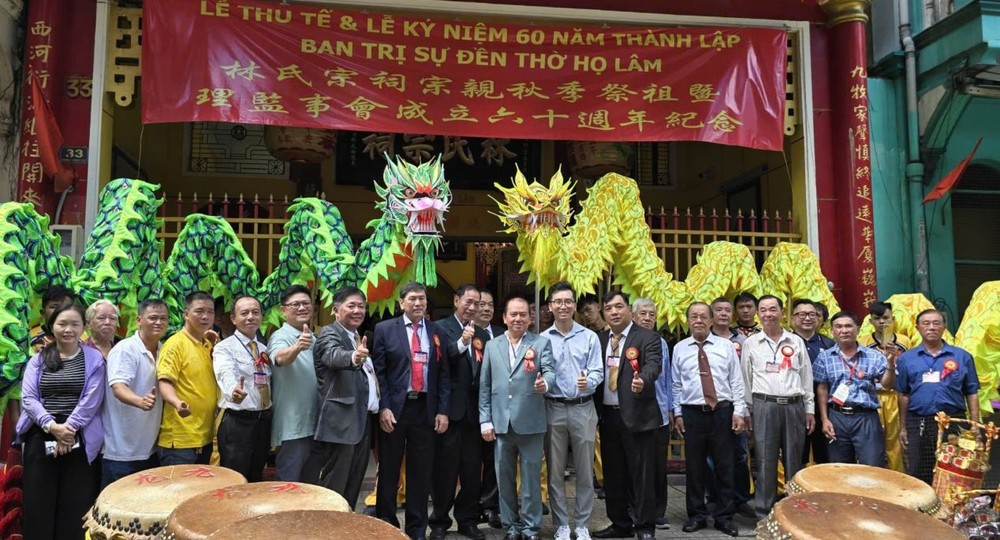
[[348, 393], [516, 372]]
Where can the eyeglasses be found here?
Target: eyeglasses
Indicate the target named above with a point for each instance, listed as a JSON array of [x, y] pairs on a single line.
[[562, 302], [299, 305], [806, 315]]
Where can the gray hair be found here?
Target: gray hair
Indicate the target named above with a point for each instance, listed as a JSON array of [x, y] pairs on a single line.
[[92, 310], [641, 303]]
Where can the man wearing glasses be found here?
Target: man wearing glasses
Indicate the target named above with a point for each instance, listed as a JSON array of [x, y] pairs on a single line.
[[805, 322], [932, 377], [293, 381]]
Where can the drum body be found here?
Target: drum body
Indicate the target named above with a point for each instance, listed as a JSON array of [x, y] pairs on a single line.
[[136, 507], [867, 481], [200, 516], [309, 525], [840, 516]]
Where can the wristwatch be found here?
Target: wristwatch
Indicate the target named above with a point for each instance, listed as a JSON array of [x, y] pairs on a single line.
[[48, 426]]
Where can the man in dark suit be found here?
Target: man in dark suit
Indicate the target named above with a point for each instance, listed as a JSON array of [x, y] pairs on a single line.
[[516, 372], [349, 400], [630, 415], [458, 454], [489, 499], [412, 374]]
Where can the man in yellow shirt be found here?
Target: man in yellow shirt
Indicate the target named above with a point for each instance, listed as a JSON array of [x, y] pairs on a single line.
[[187, 384], [886, 341]]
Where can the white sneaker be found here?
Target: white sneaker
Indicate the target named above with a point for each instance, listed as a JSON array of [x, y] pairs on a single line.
[[582, 533], [562, 533]]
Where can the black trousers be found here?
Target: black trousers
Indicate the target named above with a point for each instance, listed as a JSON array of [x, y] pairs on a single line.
[[244, 441], [660, 466], [58, 491], [413, 437], [709, 434], [629, 472], [921, 435], [457, 458], [341, 467], [818, 442]]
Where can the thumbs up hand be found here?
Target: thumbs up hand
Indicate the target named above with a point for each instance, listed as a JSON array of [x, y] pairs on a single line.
[[540, 386], [148, 401], [581, 381], [361, 353], [468, 332], [637, 384], [305, 340], [238, 393]]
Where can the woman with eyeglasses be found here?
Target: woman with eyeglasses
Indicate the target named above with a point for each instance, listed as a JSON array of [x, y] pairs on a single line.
[[102, 324], [61, 429]]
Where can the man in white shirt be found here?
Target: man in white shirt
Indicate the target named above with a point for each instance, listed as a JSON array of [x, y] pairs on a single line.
[[779, 387], [243, 373], [132, 418], [349, 396], [709, 407]]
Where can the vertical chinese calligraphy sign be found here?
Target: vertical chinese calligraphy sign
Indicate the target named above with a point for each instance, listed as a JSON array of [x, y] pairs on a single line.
[[265, 63]]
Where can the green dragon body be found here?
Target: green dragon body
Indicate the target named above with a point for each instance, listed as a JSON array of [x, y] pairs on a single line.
[[121, 260]]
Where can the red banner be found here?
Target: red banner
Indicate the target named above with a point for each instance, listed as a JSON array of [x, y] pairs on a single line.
[[267, 63]]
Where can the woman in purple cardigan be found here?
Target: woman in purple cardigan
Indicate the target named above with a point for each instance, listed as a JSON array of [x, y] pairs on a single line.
[[62, 394]]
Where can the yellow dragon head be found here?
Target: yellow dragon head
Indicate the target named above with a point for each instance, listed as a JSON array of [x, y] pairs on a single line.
[[538, 215]]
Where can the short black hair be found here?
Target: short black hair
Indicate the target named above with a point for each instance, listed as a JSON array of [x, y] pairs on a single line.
[[878, 309], [58, 292], [721, 300], [244, 296], [151, 302], [801, 302], [587, 299], [506, 303], [561, 286], [781, 305], [484, 290], [823, 310], [849, 314], [413, 286], [195, 297], [464, 288], [344, 293], [292, 291], [610, 295], [746, 296]]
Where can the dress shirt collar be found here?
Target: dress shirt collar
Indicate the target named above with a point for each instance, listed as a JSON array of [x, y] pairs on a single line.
[[576, 329], [945, 348], [408, 322], [625, 331]]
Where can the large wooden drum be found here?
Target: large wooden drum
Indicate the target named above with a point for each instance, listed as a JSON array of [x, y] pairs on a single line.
[[136, 507], [839, 516], [202, 515], [309, 525], [875, 482]]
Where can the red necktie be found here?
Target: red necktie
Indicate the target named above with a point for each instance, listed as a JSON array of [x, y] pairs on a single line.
[[416, 368], [707, 382]]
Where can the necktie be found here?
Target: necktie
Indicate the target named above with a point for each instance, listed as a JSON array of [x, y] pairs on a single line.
[[707, 383], [265, 392], [416, 369], [613, 383]]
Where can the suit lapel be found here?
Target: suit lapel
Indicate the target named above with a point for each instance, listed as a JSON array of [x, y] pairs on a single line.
[[504, 344], [401, 332]]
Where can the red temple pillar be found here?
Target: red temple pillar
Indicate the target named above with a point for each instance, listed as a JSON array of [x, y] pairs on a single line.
[[851, 160]]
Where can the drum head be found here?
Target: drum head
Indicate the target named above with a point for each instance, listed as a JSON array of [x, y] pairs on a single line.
[[200, 516], [839, 516], [309, 525], [875, 482]]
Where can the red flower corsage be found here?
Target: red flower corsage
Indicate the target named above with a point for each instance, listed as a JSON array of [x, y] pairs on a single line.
[[739, 348], [786, 352], [950, 366], [477, 345], [529, 360], [632, 354], [437, 346]]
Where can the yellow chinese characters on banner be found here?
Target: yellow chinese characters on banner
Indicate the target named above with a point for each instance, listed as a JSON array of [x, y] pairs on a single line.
[[861, 179]]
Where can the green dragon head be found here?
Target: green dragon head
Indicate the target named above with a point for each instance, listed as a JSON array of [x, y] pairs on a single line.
[[529, 208], [415, 196], [539, 216]]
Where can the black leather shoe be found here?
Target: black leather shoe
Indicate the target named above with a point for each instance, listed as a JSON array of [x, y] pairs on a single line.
[[493, 518], [693, 525], [545, 509], [746, 511], [612, 532], [727, 528], [645, 535], [512, 536], [471, 531], [438, 533]]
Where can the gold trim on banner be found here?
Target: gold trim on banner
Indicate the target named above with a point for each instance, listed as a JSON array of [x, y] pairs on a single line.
[[125, 52], [841, 11]]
